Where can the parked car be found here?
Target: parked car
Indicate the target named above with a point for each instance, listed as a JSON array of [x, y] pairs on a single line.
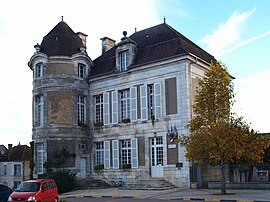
[[36, 190], [5, 191]]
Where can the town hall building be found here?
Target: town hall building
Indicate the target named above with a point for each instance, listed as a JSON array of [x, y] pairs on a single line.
[[119, 115]]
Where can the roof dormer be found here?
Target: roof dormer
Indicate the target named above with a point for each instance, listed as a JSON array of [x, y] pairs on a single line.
[[125, 53]]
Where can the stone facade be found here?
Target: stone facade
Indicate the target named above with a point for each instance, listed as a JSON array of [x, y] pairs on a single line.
[[120, 115]]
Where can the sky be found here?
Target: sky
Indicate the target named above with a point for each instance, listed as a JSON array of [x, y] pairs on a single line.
[[237, 33]]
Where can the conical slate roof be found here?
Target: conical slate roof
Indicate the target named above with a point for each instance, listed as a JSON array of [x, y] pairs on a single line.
[[61, 41]]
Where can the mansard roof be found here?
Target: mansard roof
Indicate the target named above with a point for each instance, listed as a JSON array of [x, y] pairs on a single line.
[[61, 41], [153, 44]]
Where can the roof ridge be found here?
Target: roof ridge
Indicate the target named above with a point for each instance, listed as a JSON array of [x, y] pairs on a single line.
[[147, 29], [188, 40]]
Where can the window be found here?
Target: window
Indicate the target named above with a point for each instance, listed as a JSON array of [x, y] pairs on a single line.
[[17, 170], [51, 185], [81, 109], [81, 70], [125, 104], [40, 158], [99, 153], [151, 105], [38, 71], [99, 108], [123, 60], [39, 110], [150, 101], [5, 169], [125, 152]]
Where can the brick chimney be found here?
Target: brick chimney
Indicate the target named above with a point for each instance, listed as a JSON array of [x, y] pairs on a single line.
[[9, 151], [107, 43]]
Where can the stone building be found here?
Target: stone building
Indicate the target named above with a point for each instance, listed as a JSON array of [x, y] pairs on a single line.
[[117, 116]]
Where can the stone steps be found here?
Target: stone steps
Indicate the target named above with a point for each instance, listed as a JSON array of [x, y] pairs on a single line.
[[150, 184], [90, 183]]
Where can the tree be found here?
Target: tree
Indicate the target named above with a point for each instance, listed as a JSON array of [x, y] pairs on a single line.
[[217, 136]]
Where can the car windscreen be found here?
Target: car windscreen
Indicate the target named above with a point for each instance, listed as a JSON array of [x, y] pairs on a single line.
[[28, 187]]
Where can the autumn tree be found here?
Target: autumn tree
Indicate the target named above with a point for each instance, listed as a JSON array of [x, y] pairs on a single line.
[[217, 137]]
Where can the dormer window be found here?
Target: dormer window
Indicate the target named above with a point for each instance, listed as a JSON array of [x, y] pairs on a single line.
[[123, 59], [38, 72], [81, 70]]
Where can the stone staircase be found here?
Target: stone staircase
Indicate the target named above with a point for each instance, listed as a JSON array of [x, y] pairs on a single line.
[[90, 183], [150, 184]]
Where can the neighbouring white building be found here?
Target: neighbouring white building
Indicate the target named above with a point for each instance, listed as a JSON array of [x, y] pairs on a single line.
[[121, 111]]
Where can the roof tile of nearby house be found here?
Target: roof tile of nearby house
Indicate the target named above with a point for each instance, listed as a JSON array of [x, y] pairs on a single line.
[[153, 44], [61, 40], [18, 153]]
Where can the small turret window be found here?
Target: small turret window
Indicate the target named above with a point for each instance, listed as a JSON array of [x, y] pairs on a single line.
[[39, 70], [123, 59], [81, 70]]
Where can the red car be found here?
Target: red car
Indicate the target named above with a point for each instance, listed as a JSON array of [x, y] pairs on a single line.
[[40, 190]]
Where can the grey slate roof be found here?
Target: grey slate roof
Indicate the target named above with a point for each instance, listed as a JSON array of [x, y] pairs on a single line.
[[19, 153], [153, 44], [61, 40]]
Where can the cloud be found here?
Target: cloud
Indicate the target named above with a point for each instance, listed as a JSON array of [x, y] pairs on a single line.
[[245, 43], [226, 34], [252, 99]]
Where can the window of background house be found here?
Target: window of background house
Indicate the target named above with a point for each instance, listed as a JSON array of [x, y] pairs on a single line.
[[99, 108], [81, 109], [123, 59], [81, 70], [17, 170], [125, 104], [5, 170]]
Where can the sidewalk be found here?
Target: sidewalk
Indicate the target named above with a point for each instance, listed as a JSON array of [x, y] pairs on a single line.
[[239, 195]]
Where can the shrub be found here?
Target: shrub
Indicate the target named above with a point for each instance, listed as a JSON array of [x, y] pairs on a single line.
[[65, 179]]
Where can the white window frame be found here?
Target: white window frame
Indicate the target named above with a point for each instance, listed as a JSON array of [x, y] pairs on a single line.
[[39, 110], [124, 101], [81, 109], [99, 153], [99, 108], [40, 158], [81, 70], [123, 60], [39, 70]]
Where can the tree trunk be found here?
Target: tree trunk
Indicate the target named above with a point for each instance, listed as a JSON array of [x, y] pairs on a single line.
[[223, 184]]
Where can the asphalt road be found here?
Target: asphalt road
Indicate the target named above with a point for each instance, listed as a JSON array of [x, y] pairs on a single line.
[[119, 200]]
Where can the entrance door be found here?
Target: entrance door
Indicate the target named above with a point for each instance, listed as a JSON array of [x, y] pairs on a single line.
[[156, 156], [83, 167]]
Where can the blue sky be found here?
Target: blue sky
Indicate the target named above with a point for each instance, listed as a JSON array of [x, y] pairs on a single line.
[[235, 32]]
